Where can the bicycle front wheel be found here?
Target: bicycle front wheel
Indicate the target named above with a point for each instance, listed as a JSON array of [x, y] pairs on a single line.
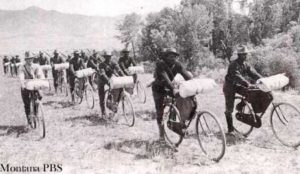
[[127, 108], [285, 121], [89, 97], [39, 122], [77, 93], [210, 135]]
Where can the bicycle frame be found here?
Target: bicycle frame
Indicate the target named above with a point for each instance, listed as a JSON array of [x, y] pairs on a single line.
[[173, 103]]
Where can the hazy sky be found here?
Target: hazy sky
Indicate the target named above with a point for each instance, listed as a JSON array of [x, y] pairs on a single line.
[[92, 7]]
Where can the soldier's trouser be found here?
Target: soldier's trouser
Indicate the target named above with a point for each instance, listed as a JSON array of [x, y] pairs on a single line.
[[72, 85], [229, 94], [56, 78], [159, 107], [26, 100], [101, 93], [45, 73], [5, 69]]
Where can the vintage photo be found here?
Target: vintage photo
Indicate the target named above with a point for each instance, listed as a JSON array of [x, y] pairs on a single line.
[[150, 86]]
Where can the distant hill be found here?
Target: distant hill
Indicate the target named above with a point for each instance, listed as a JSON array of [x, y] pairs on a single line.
[[38, 29]]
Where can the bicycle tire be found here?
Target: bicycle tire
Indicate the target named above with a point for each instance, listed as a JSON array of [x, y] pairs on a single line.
[[109, 112], [126, 99], [204, 132], [283, 120], [41, 121], [240, 127], [89, 92], [77, 97], [172, 138], [141, 93]]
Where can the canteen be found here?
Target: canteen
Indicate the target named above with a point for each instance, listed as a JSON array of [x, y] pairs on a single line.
[[46, 67], [61, 66], [273, 82], [121, 82], [36, 84], [85, 72], [136, 70], [7, 63], [195, 86]]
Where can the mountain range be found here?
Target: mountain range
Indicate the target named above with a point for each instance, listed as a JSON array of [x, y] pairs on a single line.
[[36, 29]]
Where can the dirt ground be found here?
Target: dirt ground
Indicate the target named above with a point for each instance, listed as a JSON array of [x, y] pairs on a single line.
[[83, 142]]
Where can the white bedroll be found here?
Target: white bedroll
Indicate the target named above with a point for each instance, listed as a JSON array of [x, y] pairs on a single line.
[[273, 82], [196, 86], [179, 78], [121, 82], [19, 64], [61, 66], [36, 84], [85, 72], [136, 70], [46, 67], [7, 63]]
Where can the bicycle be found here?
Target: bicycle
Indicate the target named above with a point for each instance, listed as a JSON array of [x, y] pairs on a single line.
[[210, 134], [113, 97], [36, 116], [82, 88], [283, 117]]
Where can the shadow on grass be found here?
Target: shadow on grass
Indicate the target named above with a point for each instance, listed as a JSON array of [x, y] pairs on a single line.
[[142, 149], [58, 104], [234, 139], [11, 130], [90, 120], [146, 115]]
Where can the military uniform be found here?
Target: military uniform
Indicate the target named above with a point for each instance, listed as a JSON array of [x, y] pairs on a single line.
[[29, 72], [125, 63], [107, 69], [238, 78], [56, 73], [44, 61], [164, 75], [5, 68], [75, 65]]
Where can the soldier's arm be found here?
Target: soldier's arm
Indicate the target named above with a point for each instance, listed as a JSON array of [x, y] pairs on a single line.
[[237, 76], [184, 73], [123, 68], [167, 80], [118, 70], [253, 73], [133, 62], [102, 73]]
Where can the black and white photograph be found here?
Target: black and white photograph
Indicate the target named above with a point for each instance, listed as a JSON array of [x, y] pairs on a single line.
[[150, 86]]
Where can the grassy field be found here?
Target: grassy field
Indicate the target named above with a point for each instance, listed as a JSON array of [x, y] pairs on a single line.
[[83, 142]]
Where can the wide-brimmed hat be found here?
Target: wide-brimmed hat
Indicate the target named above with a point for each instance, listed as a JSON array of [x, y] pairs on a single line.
[[28, 55], [125, 50], [242, 49], [76, 52], [105, 54], [168, 51]]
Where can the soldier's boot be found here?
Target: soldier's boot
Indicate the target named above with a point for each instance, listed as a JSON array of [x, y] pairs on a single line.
[[229, 122]]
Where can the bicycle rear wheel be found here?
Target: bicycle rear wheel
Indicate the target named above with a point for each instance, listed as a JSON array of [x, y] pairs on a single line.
[[127, 109], [210, 135], [171, 116], [239, 126], [140, 92], [89, 97], [285, 121]]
